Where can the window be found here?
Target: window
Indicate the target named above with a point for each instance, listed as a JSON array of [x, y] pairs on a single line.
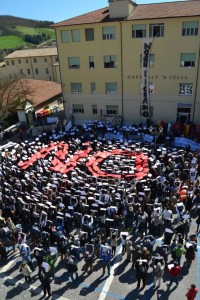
[[21, 72], [26, 60], [35, 60], [78, 108], [73, 62], [28, 71], [151, 60], [45, 59], [7, 62], [19, 61], [94, 109], [111, 87], [150, 111], [156, 30], [12, 62], [57, 59], [138, 31], [111, 109], [91, 62], [76, 35], [89, 34], [93, 87], [47, 71], [65, 36], [110, 61], [188, 59], [109, 33], [36, 71], [76, 87], [190, 28], [185, 88]]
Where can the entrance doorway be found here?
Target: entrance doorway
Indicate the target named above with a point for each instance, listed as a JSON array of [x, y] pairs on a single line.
[[183, 114]]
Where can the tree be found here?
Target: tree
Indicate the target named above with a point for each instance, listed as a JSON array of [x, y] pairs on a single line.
[[13, 91]]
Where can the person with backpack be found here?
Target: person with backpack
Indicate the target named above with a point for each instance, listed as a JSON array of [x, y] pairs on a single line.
[[141, 268], [158, 273]]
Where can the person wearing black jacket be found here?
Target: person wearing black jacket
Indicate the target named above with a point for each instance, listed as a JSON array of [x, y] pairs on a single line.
[[44, 278], [141, 268], [72, 266]]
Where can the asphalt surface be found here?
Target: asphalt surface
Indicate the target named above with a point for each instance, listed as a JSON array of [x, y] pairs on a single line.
[[121, 284]]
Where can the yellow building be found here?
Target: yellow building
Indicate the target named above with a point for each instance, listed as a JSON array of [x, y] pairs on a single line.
[[132, 62], [39, 63]]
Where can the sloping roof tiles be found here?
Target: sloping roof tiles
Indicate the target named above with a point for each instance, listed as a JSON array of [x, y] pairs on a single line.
[[139, 12], [40, 91], [33, 53]]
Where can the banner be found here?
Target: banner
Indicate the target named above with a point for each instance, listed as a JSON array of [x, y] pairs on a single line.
[[43, 129], [183, 142], [51, 120], [146, 46], [68, 126], [148, 138]]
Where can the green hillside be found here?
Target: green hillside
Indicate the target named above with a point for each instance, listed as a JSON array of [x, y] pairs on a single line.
[[11, 42], [15, 33], [30, 30]]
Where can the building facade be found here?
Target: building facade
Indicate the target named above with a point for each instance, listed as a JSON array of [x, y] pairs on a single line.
[[132, 62], [39, 63]]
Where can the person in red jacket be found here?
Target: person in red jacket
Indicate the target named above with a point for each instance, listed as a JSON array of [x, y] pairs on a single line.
[[174, 273], [192, 292]]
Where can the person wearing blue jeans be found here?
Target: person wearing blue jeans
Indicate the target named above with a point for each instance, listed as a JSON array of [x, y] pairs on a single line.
[[106, 256]]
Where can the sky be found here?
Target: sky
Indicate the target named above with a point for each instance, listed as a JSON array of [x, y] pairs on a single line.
[[51, 10]]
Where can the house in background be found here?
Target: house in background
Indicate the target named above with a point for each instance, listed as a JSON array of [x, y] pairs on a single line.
[[39, 63], [40, 94], [133, 61]]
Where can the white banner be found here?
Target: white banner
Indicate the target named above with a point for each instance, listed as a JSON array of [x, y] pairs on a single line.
[[146, 46], [68, 126]]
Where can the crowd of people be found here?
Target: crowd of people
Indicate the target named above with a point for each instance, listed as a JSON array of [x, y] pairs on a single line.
[[77, 213]]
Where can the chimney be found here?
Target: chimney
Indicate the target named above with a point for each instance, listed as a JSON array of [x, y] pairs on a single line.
[[120, 8]]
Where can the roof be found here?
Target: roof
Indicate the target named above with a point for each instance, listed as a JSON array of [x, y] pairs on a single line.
[[166, 10], [139, 12], [2, 64], [33, 53], [41, 90]]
